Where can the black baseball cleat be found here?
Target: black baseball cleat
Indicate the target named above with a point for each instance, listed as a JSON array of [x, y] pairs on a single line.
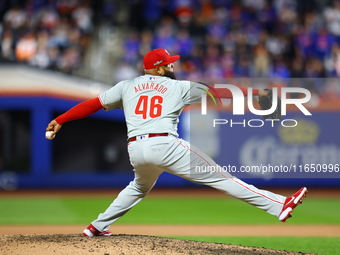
[[292, 202], [91, 231]]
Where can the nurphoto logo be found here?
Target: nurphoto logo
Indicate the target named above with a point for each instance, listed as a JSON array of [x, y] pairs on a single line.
[[239, 102]]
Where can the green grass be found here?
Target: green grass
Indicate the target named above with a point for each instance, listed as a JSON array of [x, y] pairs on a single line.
[[55, 210], [164, 210], [318, 245]]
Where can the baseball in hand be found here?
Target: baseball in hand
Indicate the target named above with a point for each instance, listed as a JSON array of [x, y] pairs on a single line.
[[49, 135]]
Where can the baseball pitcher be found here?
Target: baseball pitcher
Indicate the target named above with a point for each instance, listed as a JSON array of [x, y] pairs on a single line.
[[152, 104]]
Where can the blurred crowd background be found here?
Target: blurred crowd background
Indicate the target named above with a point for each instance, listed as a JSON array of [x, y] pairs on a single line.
[[242, 42], [106, 40]]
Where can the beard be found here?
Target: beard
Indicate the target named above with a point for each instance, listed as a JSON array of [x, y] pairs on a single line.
[[170, 74]]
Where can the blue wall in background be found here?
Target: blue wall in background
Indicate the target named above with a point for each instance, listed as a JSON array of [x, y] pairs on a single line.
[[308, 154], [315, 141]]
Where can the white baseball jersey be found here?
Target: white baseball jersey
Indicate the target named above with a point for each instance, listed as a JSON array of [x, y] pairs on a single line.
[[152, 104]]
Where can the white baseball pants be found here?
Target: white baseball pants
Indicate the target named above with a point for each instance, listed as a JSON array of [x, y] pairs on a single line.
[[151, 156]]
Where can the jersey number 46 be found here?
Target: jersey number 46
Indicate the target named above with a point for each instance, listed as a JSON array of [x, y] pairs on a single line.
[[149, 106]]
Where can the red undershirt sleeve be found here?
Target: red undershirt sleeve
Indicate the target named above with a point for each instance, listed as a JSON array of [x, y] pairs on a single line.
[[80, 111]]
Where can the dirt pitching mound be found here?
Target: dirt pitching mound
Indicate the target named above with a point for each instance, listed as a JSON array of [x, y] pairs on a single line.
[[118, 245]]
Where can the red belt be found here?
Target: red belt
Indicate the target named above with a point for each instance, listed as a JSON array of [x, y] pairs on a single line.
[[134, 138]]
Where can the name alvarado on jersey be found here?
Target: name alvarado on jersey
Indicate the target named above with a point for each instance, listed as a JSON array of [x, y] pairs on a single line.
[[150, 85]]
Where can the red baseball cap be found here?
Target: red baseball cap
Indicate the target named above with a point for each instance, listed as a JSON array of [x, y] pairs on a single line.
[[158, 57]]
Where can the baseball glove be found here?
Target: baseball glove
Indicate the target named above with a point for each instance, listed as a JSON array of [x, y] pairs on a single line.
[[266, 103]]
